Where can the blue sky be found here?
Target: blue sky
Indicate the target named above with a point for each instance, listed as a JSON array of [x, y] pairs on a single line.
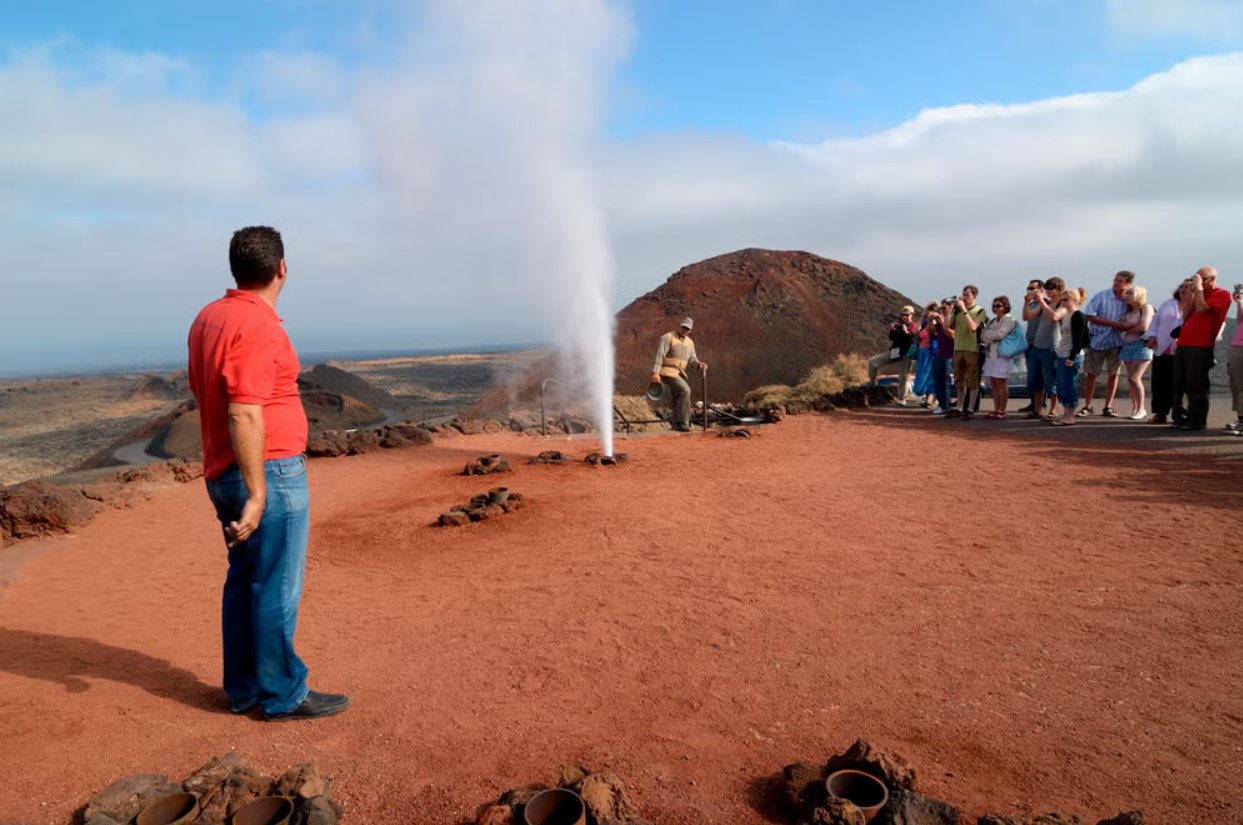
[[768, 69], [711, 125]]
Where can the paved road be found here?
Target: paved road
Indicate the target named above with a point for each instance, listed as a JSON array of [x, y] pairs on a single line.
[[1215, 440]]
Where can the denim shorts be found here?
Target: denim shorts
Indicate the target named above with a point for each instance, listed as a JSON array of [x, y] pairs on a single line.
[[1136, 351]]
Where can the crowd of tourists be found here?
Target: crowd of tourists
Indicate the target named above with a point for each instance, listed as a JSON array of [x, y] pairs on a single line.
[[942, 355]]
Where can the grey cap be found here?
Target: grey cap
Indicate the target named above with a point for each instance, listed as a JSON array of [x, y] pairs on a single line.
[[689, 323]]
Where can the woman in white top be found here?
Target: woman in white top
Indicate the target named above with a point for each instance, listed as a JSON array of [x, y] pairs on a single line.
[[1168, 318], [996, 366], [1135, 352]]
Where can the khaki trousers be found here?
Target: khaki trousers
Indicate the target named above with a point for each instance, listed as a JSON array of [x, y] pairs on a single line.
[[903, 369], [681, 398]]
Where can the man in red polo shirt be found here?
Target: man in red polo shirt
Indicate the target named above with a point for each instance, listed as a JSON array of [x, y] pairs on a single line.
[[1204, 311], [244, 372]]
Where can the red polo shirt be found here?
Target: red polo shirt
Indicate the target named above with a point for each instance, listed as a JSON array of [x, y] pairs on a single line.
[[1201, 328], [240, 353]]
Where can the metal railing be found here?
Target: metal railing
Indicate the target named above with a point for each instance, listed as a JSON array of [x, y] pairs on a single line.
[[627, 424], [543, 413]]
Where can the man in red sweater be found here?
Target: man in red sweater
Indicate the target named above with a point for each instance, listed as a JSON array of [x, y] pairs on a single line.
[[244, 372], [1204, 311]]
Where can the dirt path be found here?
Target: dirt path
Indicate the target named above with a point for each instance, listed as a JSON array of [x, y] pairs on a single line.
[[1026, 621]]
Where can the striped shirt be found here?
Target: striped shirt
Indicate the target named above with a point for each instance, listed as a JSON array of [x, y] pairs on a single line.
[[1105, 304]]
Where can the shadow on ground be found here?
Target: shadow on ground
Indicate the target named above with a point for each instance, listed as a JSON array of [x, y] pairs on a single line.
[[1154, 463], [73, 660]]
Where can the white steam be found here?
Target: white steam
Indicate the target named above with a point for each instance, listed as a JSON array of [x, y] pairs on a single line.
[[483, 138]]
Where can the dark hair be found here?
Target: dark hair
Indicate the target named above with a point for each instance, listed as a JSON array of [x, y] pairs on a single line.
[[1055, 283], [255, 255], [1129, 277], [1035, 281], [1004, 301], [972, 288]]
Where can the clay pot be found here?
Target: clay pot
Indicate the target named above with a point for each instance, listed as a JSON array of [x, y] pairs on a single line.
[[174, 809], [266, 810], [864, 791], [555, 806], [498, 495], [489, 460]]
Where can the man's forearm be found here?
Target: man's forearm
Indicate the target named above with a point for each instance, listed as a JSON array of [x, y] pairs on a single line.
[[246, 428]]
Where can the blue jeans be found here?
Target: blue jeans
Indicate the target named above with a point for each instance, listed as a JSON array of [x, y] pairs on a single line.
[[1041, 370], [941, 381], [1067, 382], [263, 588]]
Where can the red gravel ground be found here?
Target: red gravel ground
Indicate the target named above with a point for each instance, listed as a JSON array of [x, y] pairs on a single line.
[[1036, 626]]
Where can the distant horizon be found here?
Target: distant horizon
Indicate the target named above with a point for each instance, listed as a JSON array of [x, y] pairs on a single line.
[[308, 359]]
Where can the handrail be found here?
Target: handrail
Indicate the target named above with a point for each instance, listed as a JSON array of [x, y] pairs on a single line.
[[543, 416]]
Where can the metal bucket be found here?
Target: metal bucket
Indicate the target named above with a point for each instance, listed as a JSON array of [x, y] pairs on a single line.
[[174, 809], [656, 390], [555, 806], [864, 791], [266, 810], [498, 495]]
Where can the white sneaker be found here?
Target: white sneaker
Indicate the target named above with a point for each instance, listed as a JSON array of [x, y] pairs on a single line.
[[1139, 416], [938, 411]]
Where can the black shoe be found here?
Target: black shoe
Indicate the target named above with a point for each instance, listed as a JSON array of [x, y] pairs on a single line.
[[1191, 428], [314, 706], [1108, 412], [1028, 408], [682, 428]]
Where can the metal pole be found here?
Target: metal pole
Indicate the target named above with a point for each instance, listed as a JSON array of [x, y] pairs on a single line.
[[543, 418], [704, 373]]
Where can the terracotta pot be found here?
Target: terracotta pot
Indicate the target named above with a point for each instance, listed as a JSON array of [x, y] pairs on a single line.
[[555, 806], [865, 791], [498, 495], [489, 460], [266, 810], [174, 809]]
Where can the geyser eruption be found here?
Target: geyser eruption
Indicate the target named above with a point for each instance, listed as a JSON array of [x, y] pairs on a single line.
[[485, 136]]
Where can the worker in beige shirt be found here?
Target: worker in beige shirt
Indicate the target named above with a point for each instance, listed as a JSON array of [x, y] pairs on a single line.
[[675, 353]]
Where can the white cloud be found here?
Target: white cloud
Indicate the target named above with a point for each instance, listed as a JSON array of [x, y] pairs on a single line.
[[1212, 19], [409, 208], [1146, 179]]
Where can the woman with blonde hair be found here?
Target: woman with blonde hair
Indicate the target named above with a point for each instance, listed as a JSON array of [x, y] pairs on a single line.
[[1135, 352], [997, 366], [1069, 351]]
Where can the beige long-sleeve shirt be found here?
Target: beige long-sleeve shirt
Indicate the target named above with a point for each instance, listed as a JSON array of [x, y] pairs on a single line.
[[673, 346]]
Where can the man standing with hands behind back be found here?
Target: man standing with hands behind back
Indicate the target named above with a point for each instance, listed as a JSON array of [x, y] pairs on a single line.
[[244, 372]]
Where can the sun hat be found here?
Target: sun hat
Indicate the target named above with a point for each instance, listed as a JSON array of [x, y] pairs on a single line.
[[689, 323]]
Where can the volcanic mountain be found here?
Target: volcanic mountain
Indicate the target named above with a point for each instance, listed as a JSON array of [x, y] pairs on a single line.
[[761, 317]]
